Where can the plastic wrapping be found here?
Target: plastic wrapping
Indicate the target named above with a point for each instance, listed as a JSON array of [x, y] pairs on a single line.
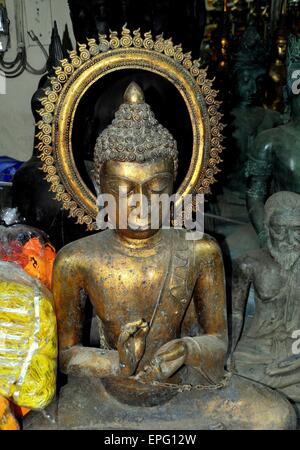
[[30, 248], [8, 168], [28, 339]]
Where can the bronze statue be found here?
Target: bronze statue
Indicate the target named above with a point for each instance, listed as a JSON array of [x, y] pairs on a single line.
[[265, 350], [274, 160], [249, 117], [160, 299]]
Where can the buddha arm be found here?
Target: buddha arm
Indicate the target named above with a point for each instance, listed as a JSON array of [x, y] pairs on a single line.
[[75, 359], [258, 172], [207, 352], [241, 281]]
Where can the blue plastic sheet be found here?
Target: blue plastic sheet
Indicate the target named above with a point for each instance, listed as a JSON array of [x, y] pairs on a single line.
[[8, 167]]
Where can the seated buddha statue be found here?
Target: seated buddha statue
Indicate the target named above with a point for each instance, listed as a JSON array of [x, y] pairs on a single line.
[[160, 299]]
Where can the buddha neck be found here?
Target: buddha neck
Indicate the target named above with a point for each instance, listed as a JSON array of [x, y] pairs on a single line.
[[138, 243]]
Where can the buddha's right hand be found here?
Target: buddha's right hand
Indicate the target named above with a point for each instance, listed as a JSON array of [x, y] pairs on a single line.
[[131, 346], [91, 362]]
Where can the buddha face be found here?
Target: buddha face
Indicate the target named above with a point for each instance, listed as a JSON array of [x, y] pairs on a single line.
[[281, 47], [284, 238], [132, 184], [248, 85]]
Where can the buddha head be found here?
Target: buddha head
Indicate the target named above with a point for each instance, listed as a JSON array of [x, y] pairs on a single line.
[[249, 68], [249, 82], [135, 158], [282, 221]]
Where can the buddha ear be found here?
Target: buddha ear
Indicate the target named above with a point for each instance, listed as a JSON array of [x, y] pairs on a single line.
[[97, 188], [96, 181]]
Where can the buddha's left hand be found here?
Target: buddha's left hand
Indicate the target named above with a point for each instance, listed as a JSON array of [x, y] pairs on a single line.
[[167, 360]]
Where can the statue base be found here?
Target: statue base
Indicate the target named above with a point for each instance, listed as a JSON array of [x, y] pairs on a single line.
[[242, 405]]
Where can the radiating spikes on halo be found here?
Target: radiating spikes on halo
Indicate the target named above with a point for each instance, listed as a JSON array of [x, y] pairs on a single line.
[[169, 41], [113, 34], [125, 30], [187, 55], [91, 40], [102, 36], [178, 47]]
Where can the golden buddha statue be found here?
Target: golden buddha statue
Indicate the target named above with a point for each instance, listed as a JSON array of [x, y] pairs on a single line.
[[161, 301]]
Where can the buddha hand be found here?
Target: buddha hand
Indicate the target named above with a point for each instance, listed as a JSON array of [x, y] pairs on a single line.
[[283, 367], [131, 346], [167, 360]]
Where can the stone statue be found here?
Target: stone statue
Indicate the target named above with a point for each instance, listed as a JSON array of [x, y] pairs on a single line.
[[249, 117], [160, 299], [274, 162], [265, 350]]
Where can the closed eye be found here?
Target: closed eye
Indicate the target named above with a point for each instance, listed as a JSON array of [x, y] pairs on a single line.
[[120, 188], [159, 189], [159, 184]]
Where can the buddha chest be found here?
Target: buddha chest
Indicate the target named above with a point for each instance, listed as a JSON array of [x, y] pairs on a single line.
[[287, 164], [155, 285]]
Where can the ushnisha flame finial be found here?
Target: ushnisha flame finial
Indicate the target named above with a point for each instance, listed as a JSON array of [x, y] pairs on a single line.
[[134, 94]]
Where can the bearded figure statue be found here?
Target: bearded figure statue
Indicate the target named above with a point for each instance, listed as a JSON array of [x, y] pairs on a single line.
[[265, 347]]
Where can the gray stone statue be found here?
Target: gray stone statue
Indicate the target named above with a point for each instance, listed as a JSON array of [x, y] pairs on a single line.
[[249, 117], [274, 160], [264, 346]]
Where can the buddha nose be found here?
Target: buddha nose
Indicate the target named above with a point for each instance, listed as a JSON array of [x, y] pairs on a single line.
[[142, 200]]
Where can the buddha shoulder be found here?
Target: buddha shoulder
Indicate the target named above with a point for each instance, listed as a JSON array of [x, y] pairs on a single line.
[[79, 251], [207, 251]]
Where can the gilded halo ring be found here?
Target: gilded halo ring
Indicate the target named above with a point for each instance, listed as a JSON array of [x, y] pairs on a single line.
[[91, 63]]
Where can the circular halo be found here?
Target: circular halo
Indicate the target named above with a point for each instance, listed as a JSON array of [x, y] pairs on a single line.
[[93, 61]]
